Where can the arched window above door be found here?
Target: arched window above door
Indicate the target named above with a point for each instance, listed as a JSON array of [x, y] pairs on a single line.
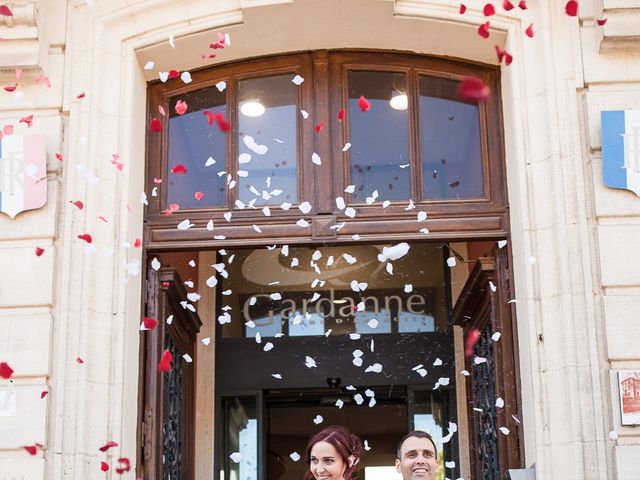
[[322, 145]]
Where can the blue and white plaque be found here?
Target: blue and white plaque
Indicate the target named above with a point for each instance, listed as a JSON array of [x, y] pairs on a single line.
[[621, 149]]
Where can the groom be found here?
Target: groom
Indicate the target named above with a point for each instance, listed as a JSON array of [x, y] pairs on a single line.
[[417, 456]]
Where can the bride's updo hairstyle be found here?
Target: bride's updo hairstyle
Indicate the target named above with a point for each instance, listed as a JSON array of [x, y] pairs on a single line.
[[347, 444]]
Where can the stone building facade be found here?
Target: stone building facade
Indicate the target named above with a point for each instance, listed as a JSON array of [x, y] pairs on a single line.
[[84, 81]]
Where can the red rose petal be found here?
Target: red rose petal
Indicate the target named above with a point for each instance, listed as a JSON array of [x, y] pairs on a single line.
[[137, 243], [59, 157], [503, 54], [155, 125], [43, 394], [522, 5], [198, 195], [341, 114], [5, 370], [157, 181], [149, 323], [78, 204], [79, 361], [82, 95], [165, 361], [209, 116], [571, 8], [28, 120], [463, 8], [179, 169], [507, 5], [602, 21], [473, 89], [174, 73], [483, 30], [11, 88], [174, 207], [32, 449], [86, 237], [161, 110], [364, 104], [319, 127], [124, 465], [39, 251], [488, 10], [181, 107], [222, 123], [5, 11], [529, 31], [104, 466], [108, 445], [472, 338]]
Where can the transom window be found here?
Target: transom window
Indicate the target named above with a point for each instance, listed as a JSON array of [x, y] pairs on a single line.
[[352, 135]]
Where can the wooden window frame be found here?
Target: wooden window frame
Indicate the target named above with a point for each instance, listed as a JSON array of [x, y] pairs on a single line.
[[322, 95]]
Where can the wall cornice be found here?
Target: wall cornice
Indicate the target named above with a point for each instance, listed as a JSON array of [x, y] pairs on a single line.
[[23, 43], [621, 33]]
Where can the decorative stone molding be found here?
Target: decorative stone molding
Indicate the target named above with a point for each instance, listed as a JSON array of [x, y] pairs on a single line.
[[23, 44], [621, 33]]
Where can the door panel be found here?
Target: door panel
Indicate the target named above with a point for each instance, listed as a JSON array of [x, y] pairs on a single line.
[[483, 308], [166, 437]]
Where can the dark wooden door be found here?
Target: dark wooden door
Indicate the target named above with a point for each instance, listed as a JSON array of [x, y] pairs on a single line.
[[484, 309], [166, 438]]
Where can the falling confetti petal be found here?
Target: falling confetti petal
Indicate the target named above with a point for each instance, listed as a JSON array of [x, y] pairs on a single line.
[[364, 104], [236, 457], [473, 89], [571, 8], [295, 456]]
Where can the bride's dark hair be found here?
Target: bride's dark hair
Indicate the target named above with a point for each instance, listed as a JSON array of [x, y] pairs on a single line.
[[346, 444]]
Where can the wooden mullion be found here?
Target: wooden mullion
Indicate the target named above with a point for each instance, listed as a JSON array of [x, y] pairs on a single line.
[[232, 141], [415, 144], [322, 109]]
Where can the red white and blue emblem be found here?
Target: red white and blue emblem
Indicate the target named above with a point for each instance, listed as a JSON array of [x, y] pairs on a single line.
[[621, 149], [23, 173]]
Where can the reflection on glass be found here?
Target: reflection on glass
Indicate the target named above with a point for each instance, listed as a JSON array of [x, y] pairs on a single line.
[[267, 141], [344, 290], [431, 415], [240, 435], [450, 136], [379, 153], [192, 142]]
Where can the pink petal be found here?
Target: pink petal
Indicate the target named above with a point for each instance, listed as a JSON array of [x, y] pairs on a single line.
[[5, 370], [529, 31], [181, 107], [473, 89], [341, 115], [155, 125], [483, 30], [571, 8], [39, 251], [5, 11], [209, 116], [198, 195], [108, 445], [364, 104], [28, 120], [472, 338], [488, 10], [149, 323]]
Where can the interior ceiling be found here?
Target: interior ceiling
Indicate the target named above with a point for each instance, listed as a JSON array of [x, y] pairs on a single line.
[[326, 24]]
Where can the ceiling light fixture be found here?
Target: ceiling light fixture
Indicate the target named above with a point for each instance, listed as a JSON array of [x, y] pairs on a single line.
[[400, 101], [252, 108]]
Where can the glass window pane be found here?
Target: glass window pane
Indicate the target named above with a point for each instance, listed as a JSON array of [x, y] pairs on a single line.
[[431, 415], [450, 137], [240, 435], [310, 291], [267, 132], [192, 141], [379, 137]]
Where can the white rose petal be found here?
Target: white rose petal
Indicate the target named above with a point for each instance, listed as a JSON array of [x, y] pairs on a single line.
[[297, 80], [236, 457]]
